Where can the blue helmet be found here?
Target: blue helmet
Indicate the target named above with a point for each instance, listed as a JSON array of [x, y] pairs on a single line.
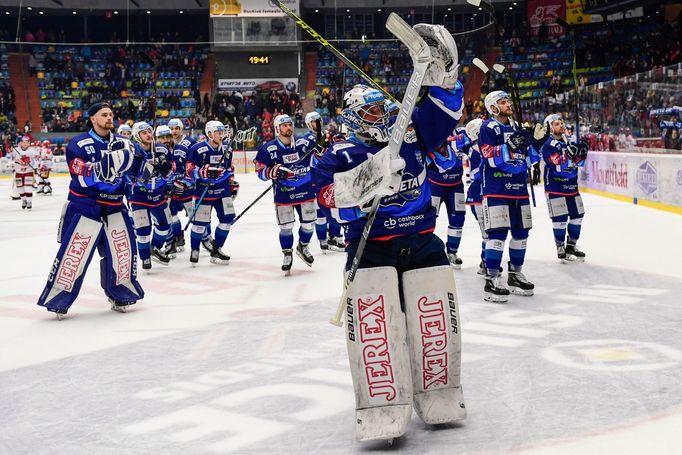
[[356, 115]]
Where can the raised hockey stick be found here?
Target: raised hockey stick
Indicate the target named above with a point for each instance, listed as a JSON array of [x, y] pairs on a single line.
[[421, 57], [511, 81], [320, 39]]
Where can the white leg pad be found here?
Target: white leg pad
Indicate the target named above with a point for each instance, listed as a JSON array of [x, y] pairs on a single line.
[[435, 342], [378, 355]]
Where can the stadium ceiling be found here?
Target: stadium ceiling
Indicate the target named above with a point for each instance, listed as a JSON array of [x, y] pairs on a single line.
[[203, 5]]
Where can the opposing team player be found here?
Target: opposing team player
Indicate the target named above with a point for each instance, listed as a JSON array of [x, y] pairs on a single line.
[[286, 161], [125, 131], [447, 187], [44, 169], [210, 165], [506, 153], [565, 205], [24, 157], [474, 199], [96, 218], [147, 195], [398, 359], [328, 232]]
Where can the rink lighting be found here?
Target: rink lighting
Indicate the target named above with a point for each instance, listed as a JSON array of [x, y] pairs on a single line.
[[115, 12], [40, 12], [29, 8], [182, 12], [450, 9], [317, 11], [6, 12], [379, 9], [511, 7], [348, 11], [75, 12], [149, 12]]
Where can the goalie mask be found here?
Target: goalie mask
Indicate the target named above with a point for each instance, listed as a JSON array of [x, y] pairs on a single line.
[[311, 118], [365, 114], [492, 99]]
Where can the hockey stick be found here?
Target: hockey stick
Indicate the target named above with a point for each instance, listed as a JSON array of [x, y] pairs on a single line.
[[421, 57], [511, 80], [320, 39]]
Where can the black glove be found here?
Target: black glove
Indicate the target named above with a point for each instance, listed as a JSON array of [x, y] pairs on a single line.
[[518, 142], [583, 148]]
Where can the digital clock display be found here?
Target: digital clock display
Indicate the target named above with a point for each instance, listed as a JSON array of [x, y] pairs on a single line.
[[259, 59]]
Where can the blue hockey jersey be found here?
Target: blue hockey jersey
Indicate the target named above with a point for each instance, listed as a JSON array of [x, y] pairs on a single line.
[[410, 210], [82, 152], [503, 172], [452, 176], [203, 153], [474, 191], [150, 190], [181, 153], [297, 158], [561, 173]]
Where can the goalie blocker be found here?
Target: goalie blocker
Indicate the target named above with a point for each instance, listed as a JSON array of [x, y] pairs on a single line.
[[400, 360]]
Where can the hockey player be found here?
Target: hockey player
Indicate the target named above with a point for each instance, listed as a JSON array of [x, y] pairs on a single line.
[[44, 169], [286, 161], [147, 195], [403, 333], [506, 153], [95, 218], [210, 165], [447, 187], [125, 131], [331, 239], [24, 158], [565, 205], [474, 199]]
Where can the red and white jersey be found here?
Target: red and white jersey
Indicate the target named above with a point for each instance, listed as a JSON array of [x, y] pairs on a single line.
[[24, 160], [46, 158]]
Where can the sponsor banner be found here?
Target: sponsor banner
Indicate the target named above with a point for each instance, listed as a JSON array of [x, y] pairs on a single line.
[[264, 84], [250, 8], [576, 16], [546, 12], [655, 178], [242, 160]]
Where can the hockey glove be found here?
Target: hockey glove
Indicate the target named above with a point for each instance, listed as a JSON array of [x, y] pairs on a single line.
[[572, 152], [234, 188], [279, 172], [209, 172], [113, 164], [444, 68], [583, 148]]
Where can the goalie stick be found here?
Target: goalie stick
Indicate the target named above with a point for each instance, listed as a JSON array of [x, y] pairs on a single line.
[[421, 57]]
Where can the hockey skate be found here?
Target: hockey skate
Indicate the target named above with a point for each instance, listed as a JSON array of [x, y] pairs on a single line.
[[48, 190], [218, 257], [207, 243], [180, 243], [41, 190], [160, 257], [455, 260], [24, 204], [61, 314], [288, 260], [324, 246], [171, 250], [337, 244], [482, 271], [29, 205], [518, 283], [572, 253], [561, 253], [494, 290], [121, 307], [146, 264], [303, 252], [194, 257]]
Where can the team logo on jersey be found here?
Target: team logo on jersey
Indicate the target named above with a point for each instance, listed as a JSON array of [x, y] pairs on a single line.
[[290, 158], [410, 136]]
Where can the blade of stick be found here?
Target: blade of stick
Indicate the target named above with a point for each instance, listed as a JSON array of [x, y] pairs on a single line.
[[499, 68], [480, 65], [406, 34]]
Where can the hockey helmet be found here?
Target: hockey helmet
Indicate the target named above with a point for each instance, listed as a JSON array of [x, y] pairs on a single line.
[[550, 119], [311, 118], [281, 120], [211, 127], [492, 99], [138, 127], [176, 123], [365, 113], [473, 128], [163, 130]]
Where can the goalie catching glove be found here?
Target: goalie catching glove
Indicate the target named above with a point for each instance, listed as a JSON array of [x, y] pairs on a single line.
[[116, 160], [444, 68]]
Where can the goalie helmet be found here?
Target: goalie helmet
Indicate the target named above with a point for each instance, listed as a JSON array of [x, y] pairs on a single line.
[[281, 120], [492, 99], [473, 128], [311, 118], [138, 128], [365, 113]]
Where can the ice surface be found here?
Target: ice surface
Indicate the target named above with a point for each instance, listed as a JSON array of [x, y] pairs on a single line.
[[241, 359]]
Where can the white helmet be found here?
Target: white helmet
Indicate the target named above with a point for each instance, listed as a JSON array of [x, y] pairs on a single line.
[[310, 119], [163, 130], [473, 128], [357, 102], [124, 129], [139, 127], [280, 120], [176, 122], [212, 126], [549, 119], [491, 100]]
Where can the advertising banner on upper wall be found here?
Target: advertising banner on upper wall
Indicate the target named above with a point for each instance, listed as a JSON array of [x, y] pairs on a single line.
[[250, 8], [543, 13]]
